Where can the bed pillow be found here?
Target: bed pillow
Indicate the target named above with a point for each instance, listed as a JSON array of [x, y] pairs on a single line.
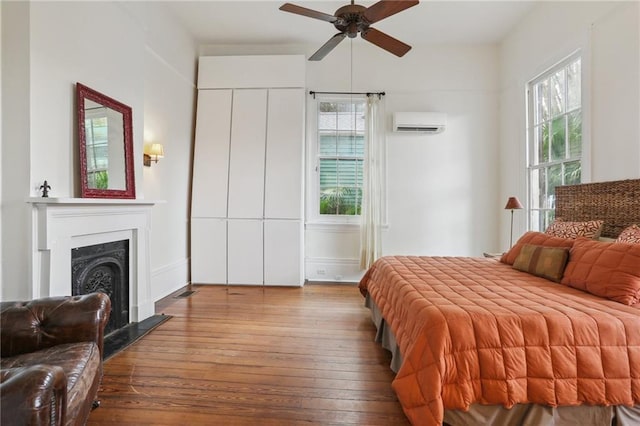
[[546, 262], [630, 234], [610, 270], [535, 238], [588, 229]]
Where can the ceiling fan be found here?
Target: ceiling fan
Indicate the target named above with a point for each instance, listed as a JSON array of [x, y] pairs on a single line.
[[353, 19]]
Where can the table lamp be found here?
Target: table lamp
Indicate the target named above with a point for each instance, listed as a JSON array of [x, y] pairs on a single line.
[[512, 204]]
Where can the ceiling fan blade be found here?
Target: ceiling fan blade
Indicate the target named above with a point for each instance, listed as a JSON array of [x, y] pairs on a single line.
[[328, 47], [386, 8], [299, 10], [386, 42]]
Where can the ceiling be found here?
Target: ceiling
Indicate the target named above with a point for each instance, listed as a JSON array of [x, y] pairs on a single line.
[[430, 22]]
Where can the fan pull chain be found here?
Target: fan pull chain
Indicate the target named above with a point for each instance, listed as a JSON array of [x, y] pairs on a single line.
[[351, 66]]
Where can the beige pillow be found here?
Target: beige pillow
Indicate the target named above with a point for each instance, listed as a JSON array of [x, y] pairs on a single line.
[[630, 234], [546, 262], [573, 230]]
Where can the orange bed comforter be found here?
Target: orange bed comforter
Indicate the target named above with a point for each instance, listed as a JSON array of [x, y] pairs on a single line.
[[473, 330]]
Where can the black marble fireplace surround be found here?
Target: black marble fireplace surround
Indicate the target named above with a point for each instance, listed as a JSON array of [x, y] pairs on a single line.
[[104, 268]]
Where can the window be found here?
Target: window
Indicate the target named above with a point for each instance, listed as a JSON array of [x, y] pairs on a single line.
[[340, 156], [554, 137]]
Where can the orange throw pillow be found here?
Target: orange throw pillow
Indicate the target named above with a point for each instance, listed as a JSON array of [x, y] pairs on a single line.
[[610, 270], [535, 238], [546, 262]]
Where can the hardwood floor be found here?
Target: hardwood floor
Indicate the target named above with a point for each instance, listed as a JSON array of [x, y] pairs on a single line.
[[254, 356]]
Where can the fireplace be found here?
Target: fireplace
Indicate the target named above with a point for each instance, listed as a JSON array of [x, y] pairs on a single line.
[[64, 227], [104, 268]]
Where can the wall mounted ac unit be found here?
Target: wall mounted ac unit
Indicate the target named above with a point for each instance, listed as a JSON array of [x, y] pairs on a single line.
[[419, 122]]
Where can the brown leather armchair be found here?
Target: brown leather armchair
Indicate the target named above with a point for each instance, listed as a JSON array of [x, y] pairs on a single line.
[[51, 358]]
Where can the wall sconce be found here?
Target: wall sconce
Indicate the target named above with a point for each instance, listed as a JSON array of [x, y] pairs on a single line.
[[512, 204], [153, 152]]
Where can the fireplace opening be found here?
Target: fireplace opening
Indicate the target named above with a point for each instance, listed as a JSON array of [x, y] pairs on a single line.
[[104, 268]]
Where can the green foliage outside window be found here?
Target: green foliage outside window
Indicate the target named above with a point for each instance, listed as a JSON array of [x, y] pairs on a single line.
[[341, 200]]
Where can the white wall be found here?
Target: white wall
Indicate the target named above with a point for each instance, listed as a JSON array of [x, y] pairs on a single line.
[[111, 47], [14, 214], [169, 109], [442, 189], [0, 151], [615, 106], [96, 44], [608, 34]]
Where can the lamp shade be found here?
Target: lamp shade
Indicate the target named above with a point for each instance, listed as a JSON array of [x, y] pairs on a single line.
[[513, 204], [156, 150]]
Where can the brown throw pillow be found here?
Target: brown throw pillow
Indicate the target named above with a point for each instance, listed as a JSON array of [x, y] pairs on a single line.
[[546, 262], [535, 238]]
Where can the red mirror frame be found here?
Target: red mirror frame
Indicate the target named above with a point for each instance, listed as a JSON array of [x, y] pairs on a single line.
[[83, 92]]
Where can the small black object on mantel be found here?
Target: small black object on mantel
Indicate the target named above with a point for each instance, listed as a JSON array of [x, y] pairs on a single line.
[[45, 189]]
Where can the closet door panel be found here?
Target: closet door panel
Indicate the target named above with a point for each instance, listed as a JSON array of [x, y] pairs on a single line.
[[283, 252], [245, 251], [211, 154], [246, 173], [284, 154], [208, 251]]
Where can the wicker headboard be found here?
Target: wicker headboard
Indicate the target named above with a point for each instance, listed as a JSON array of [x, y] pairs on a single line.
[[616, 202]]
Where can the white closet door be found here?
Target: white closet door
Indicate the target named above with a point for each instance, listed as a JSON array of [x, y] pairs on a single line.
[[285, 141], [208, 251], [211, 156], [246, 173], [283, 252], [245, 252]]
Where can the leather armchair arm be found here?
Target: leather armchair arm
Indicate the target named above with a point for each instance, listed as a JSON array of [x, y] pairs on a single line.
[[42, 323], [35, 395]]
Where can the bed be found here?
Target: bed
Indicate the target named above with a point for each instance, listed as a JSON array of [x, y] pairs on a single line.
[[476, 341]]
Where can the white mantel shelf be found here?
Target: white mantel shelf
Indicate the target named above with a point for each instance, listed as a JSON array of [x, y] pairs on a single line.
[[62, 224], [92, 201]]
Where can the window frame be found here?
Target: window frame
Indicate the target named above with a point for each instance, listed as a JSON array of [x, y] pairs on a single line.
[[531, 146], [313, 215]]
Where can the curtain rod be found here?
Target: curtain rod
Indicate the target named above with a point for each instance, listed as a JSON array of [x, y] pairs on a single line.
[[378, 94]]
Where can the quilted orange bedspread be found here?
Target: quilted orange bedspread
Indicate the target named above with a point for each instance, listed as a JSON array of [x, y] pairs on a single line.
[[473, 330]]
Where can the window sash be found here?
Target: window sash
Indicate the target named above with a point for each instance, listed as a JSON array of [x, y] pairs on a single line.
[[554, 137], [339, 192]]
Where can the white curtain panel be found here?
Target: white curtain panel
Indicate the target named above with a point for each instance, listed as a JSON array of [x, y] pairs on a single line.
[[373, 185]]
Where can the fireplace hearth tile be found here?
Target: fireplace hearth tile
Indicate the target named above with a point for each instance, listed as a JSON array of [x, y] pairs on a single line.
[[125, 336]]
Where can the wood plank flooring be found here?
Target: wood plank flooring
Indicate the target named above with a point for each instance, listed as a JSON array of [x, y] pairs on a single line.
[[254, 356]]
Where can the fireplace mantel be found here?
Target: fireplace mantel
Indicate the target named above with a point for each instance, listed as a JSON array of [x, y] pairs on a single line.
[[61, 224], [90, 201]]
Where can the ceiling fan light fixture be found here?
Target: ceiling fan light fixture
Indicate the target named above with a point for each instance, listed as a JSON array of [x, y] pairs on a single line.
[[353, 19], [352, 30]]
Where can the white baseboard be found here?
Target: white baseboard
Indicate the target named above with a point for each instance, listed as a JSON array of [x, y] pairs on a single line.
[[169, 278], [332, 269]]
